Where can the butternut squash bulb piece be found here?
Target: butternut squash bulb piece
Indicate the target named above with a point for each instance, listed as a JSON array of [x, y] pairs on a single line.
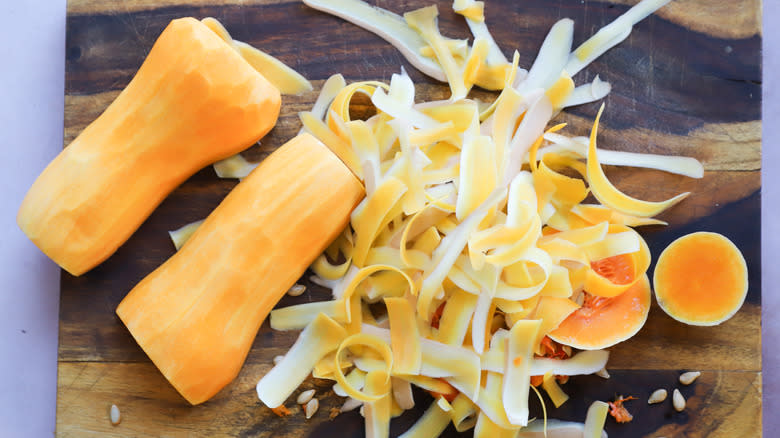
[[198, 313], [194, 101], [701, 279], [602, 322]]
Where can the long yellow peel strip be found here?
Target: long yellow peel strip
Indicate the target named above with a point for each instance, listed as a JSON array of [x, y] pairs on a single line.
[[402, 393], [234, 167], [473, 10], [284, 78], [319, 338], [463, 413], [430, 384], [584, 362], [580, 237], [490, 402], [299, 316], [330, 89], [341, 101], [323, 268], [447, 253], [458, 48], [430, 425], [544, 409], [595, 419], [486, 428], [560, 90], [369, 217], [363, 274], [404, 336], [287, 80], [610, 196], [424, 21], [455, 319], [336, 144], [625, 242], [518, 370], [599, 213], [478, 176], [389, 26], [377, 412], [363, 340], [610, 35], [555, 392], [551, 311], [356, 378], [181, 235], [558, 283]]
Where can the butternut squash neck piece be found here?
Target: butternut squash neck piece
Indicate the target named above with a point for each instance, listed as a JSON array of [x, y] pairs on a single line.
[[194, 101], [198, 313]]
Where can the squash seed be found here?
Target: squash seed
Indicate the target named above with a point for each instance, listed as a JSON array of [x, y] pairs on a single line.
[[657, 396], [689, 377], [305, 397], [296, 290], [311, 407], [115, 415], [278, 359], [678, 400]]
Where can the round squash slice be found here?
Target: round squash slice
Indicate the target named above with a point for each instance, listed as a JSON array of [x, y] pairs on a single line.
[[701, 279], [603, 322]]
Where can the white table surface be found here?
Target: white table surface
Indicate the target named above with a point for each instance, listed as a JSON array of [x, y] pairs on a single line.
[[31, 127]]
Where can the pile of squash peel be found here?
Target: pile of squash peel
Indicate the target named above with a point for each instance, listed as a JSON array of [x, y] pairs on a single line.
[[474, 264], [486, 256]]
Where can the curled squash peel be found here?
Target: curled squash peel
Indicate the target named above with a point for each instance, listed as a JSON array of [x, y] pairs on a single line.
[[701, 279], [194, 101], [197, 314]]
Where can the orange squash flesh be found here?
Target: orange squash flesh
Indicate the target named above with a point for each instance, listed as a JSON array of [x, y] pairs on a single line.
[[701, 279], [198, 313], [603, 322], [194, 101]]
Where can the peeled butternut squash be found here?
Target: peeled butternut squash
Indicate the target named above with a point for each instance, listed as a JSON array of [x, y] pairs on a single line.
[[198, 313], [194, 101]]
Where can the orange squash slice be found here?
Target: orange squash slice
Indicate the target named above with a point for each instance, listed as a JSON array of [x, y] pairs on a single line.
[[701, 279], [603, 322], [194, 101]]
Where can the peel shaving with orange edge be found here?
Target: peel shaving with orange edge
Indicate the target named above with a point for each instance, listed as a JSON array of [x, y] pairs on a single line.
[[469, 261]]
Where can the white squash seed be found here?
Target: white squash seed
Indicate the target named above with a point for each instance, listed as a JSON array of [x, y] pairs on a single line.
[[678, 400], [657, 396], [689, 377], [296, 290], [115, 415], [311, 407], [278, 359], [305, 397]]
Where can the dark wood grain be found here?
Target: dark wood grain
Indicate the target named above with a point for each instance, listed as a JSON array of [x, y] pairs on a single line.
[[687, 82]]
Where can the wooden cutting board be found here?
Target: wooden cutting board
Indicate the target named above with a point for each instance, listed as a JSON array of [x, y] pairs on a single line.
[[687, 81]]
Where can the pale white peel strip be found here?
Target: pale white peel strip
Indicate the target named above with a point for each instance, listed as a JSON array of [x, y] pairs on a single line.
[[181, 235], [319, 338]]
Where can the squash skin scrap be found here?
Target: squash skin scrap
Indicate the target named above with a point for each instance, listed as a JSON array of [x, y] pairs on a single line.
[[184, 109], [198, 313]]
